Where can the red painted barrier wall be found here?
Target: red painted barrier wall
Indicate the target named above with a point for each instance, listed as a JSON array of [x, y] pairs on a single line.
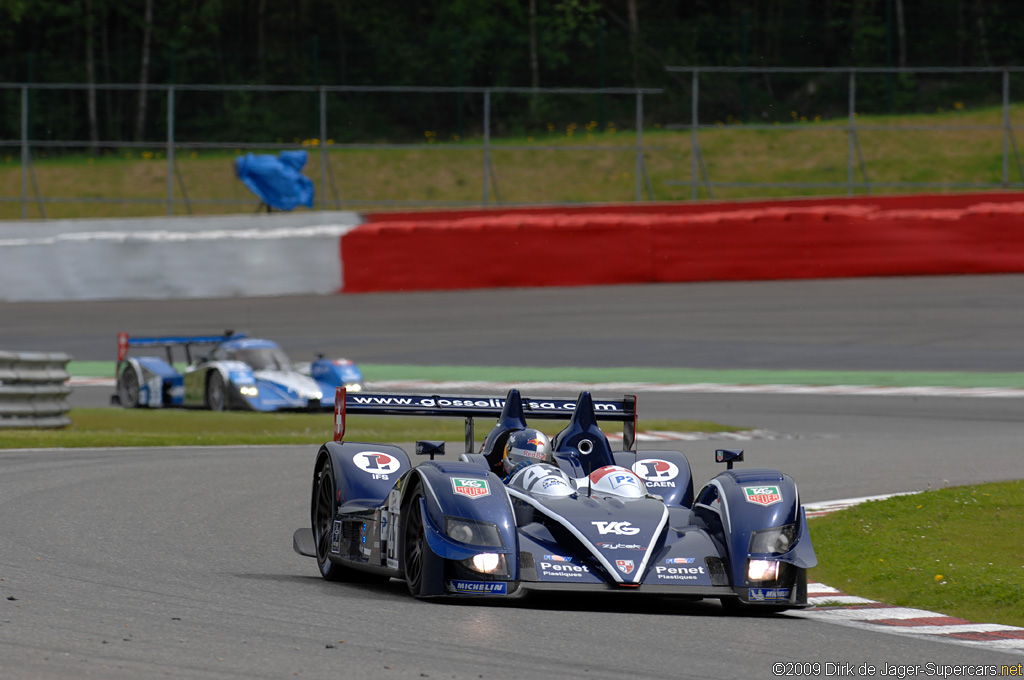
[[817, 238]]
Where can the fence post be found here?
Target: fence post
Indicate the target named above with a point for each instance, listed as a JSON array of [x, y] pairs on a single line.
[[851, 134], [1006, 128], [24, 153], [170, 151], [487, 145], [323, 149], [639, 145], [694, 143]]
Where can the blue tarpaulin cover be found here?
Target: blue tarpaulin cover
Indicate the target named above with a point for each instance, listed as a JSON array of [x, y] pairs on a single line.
[[277, 180]]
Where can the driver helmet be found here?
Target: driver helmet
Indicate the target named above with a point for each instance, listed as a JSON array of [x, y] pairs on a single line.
[[525, 447]]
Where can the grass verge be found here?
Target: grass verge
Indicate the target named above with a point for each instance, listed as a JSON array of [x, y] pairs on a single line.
[[958, 551], [177, 427]]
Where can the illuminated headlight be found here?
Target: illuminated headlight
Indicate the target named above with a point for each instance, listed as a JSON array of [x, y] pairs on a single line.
[[354, 387], [249, 390], [762, 570], [473, 532], [316, 394], [774, 541], [486, 563]]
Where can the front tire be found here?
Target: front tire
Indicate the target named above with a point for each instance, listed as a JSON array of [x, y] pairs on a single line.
[[128, 388], [414, 545], [216, 395], [322, 516]]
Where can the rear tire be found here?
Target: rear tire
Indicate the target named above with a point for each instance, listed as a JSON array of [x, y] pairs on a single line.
[[216, 395]]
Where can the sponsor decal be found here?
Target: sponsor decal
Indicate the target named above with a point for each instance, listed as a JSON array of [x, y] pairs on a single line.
[[535, 442], [533, 454], [679, 560], [621, 546], [563, 569], [679, 573], [487, 404], [625, 566], [762, 495], [336, 538], [625, 479], [470, 487], [656, 470], [557, 558], [768, 594], [620, 528], [378, 465], [478, 587]]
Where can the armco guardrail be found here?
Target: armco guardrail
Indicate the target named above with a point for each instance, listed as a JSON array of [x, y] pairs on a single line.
[[34, 390]]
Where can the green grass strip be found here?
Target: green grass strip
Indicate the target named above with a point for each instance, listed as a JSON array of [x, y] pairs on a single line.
[[178, 427], [958, 551], [513, 374]]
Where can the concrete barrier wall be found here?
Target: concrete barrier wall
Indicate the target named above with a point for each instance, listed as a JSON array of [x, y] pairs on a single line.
[[883, 236], [323, 253], [166, 258]]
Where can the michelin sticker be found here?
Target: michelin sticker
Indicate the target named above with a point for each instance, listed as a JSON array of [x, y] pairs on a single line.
[[478, 587]]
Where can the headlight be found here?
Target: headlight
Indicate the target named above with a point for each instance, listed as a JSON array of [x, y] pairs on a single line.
[[486, 563], [473, 532], [354, 387], [249, 390], [775, 541], [762, 570]]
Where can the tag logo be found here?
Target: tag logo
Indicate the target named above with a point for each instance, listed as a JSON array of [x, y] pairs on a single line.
[[762, 495], [620, 528], [625, 566], [472, 488]]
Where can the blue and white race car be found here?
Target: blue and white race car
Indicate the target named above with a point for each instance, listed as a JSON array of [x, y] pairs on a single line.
[[239, 373], [591, 519]]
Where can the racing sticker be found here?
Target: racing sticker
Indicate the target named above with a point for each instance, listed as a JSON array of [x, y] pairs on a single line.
[[336, 538], [768, 594], [478, 587], [656, 472], [563, 569], [471, 487], [625, 566], [376, 463], [762, 495], [679, 560]]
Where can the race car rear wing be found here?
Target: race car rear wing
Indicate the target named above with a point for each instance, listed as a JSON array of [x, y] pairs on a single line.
[[170, 341], [469, 407]]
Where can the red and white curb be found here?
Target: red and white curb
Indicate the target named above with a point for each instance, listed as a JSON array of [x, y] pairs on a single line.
[[835, 606]]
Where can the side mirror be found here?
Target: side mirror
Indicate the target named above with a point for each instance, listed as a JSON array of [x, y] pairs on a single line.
[[728, 456], [429, 448]]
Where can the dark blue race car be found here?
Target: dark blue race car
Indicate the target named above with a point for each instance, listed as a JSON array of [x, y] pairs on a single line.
[[595, 519]]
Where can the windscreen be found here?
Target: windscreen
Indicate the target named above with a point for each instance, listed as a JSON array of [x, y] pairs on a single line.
[[265, 358]]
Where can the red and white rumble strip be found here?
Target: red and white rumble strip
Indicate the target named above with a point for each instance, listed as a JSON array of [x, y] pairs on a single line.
[[833, 606]]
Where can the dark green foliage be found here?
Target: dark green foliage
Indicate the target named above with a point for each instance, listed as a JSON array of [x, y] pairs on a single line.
[[580, 43]]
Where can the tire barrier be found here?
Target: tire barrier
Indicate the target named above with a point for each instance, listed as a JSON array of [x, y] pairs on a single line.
[[883, 236], [34, 390]]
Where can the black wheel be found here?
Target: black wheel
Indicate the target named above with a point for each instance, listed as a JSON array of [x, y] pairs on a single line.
[[322, 515], [414, 545], [216, 396], [128, 388]]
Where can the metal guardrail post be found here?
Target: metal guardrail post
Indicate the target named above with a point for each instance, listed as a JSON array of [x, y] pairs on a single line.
[[1006, 128], [695, 143], [24, 153], [851, 133], [34, 390], [170, 151], [487, 145], [639, 146], [323, 149]]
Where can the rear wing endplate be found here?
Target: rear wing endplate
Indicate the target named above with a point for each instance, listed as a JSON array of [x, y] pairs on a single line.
[[469, 407]]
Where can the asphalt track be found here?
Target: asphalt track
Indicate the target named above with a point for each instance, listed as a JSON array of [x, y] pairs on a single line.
[[178, 563]]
